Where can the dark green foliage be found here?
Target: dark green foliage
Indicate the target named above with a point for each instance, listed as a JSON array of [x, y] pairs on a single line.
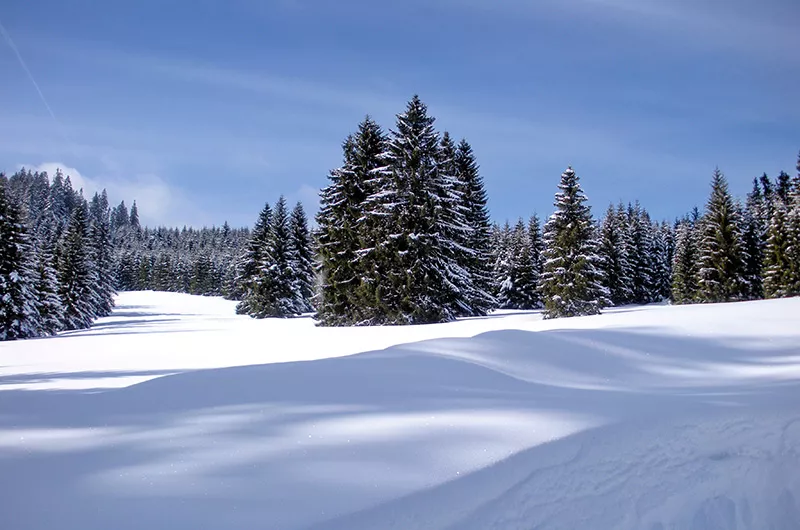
[[102, 254], [722, 263], [571, 281], [613, 250], [254, 279], [685, 263], [19, 318], [477, 261], [302, 259], [76, 274], [278, 261], [350, 229], [519, 284]]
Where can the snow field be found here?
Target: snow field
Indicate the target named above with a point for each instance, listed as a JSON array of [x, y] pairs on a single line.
[[174, 412]]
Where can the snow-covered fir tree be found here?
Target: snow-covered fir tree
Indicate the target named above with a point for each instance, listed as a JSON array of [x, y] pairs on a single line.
[[419, 277], [536, 245], [754, 236], [19, 318], [519, 286], [571, 282], [685, 263], [282, 301], [102, 254], [613, 251], [663, 253], [478, 261], [351, 230], [76, 273], [48, 303], [781, 274], [641, 255], [302, 259], [454, 233], [721, 252], [503, 253], [254, 279]]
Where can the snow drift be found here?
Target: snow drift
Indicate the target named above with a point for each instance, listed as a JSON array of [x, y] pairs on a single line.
[[650, 418]]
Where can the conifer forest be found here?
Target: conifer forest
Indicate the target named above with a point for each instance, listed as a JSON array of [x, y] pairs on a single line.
[[403, 236]]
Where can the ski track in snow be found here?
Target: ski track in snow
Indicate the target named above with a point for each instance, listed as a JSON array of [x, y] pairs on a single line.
[[176, 413]]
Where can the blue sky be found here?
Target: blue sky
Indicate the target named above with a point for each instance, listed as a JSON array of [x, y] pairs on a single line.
[[202, 110]]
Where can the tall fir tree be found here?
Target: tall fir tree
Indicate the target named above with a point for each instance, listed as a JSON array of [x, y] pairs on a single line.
[[536, 244], [453, 231], [777, 263], [19, 318], [76, 274], [478, 262], [302, 259], [417, 272], [641, 255], [102, 254], [571, 281], [685, 265], [278, 260], [351, 231], [503, 263], [48, 303], [783, 188], [663, 254], [518, 289], [721, 254], [613, 251], [754, 235], [253, 280]]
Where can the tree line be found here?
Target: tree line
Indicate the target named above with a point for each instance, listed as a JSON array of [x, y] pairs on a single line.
[[403, 236], [56, 263]]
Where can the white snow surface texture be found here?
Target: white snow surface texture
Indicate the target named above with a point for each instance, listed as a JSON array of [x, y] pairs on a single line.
[[176, 413]]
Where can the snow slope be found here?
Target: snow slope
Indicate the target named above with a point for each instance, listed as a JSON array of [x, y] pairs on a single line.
[[652, 417]]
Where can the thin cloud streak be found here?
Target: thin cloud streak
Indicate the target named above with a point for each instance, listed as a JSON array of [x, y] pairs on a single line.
[[758, 33], [38, 89]]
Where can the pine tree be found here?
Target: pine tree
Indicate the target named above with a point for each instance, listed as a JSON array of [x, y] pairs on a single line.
[[278, 262], [777, 261], [478, 262], [613, 251], [253, 280], [417, 276], [134, 219], [352, 224], [754, 234], [685, 268], [641, 255], [503, 263], [536, 245], [519, 289], [571, 281], [303, 259], [783, 190], [721, 253], [453, 232], [19, 318], [101, 252], [76, 275], [663, 253]]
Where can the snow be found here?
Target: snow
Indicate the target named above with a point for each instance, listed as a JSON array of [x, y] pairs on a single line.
[[175, 412]]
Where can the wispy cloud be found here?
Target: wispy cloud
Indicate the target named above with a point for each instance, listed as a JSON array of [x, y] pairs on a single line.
[[254, 80], [764, 30]]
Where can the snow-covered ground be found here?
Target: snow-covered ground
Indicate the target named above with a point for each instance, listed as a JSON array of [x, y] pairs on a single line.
[[176, 413]]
